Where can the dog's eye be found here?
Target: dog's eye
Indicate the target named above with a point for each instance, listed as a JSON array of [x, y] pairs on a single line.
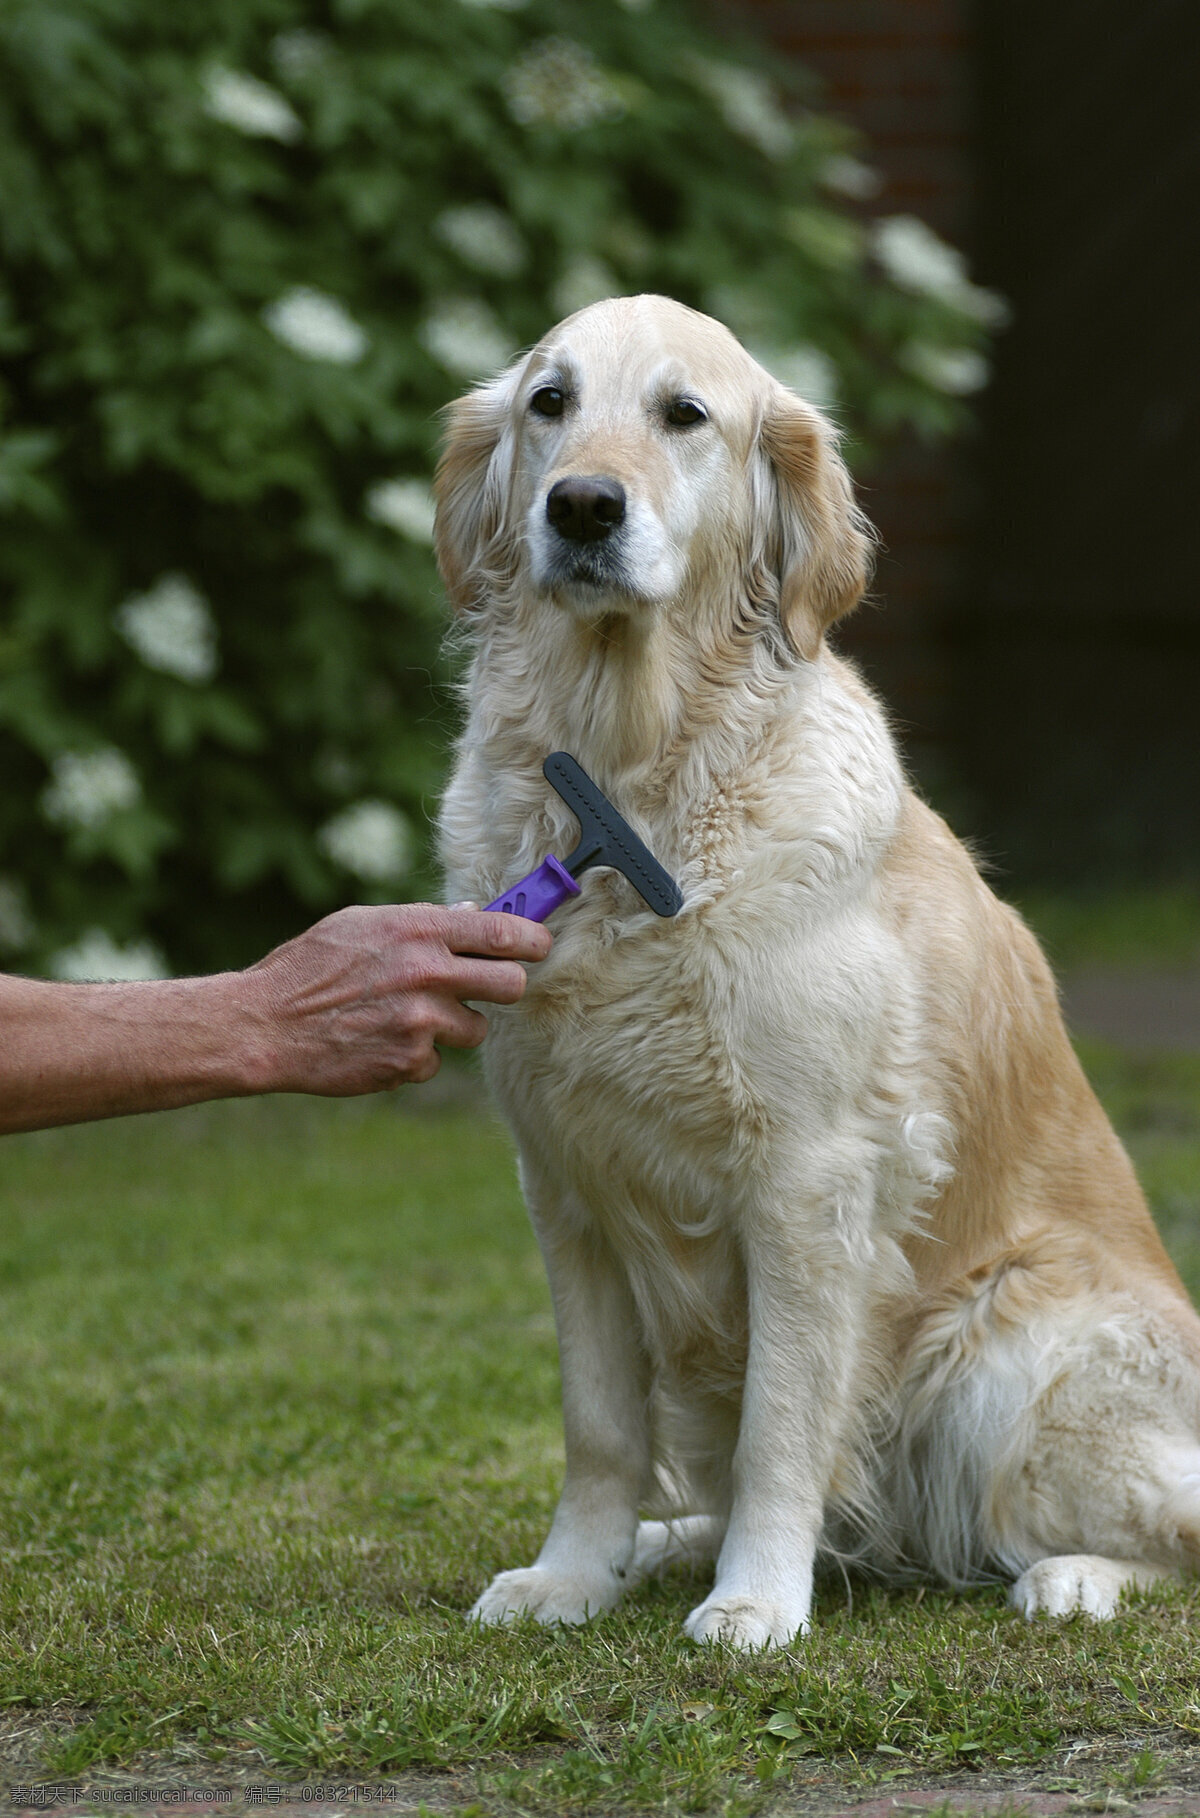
[[681, 413], [547, 401]]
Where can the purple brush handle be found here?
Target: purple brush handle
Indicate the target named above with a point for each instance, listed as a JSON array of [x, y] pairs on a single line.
[[539, 894]]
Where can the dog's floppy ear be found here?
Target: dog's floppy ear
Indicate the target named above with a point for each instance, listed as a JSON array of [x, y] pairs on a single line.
[[474, 543], [822, 543]]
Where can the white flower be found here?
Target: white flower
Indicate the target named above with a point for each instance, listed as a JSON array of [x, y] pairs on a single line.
[[16, 924], [805, 369], [298, 52], [914, 256], [918, 260], [483, 237], [464, 336], [747, 102], [403, 505], [559, 83], [586, 280], [958, 370], [172, 629], [371, 839], [847, 176], [253, 107], [95, 955], [86, 787], [316, 325]]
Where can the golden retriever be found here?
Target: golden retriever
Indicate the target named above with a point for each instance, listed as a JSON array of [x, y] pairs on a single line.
[[846, 1260]]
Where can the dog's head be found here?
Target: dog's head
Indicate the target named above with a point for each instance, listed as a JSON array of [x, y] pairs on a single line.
[[638, 460]]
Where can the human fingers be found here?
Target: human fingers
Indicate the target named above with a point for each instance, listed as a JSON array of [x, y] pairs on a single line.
[[488, 981], [461, 1027], [493, 935]]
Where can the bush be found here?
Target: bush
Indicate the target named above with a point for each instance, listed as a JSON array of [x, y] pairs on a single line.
[[249, 248]]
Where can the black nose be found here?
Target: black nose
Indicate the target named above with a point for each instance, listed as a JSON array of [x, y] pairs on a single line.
[[585, 507]]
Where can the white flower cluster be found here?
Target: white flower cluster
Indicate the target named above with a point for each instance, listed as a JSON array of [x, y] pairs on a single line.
[[918, 260], [316, 326], [172, 629], [87, 787], [403, 505], [483, 237], [95, 955], [253, 107], [747, 103], [371, 840], [805, 369], [465, 337], [847, 176], [585, 280], [559, 83], [16, 923], [957, 370], [298, 52]]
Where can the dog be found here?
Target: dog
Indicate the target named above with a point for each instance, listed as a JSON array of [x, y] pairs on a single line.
[[846, 1260]]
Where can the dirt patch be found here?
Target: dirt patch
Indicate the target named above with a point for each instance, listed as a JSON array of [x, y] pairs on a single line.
[[1147, 1775], [1150, 1774]]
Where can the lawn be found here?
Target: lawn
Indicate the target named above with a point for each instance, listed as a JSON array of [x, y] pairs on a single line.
[[279, 1394]]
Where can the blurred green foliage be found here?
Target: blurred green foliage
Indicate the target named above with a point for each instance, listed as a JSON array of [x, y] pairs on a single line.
[[247, 250]]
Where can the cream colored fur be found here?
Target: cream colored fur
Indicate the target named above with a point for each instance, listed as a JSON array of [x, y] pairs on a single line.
[[845, 1258]]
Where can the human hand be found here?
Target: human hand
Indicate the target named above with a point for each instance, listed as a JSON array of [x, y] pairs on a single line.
[[361, 1001]]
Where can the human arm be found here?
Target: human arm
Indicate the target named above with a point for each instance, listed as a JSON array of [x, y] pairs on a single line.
[[358, 1003]]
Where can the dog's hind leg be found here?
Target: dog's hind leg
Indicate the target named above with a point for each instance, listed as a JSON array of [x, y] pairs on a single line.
[[1070, 1582], [1105, 1493], [1151, 1516], [691, 1540], [1051, 1437]]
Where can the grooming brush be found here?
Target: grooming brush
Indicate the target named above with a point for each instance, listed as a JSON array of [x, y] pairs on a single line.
[[605, 839]]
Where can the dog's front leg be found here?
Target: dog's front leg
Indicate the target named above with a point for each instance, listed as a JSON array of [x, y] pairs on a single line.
[[585, 1564], [804, 1286]]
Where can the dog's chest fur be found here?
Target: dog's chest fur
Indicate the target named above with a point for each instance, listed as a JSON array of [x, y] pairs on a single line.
[[660, 1073]]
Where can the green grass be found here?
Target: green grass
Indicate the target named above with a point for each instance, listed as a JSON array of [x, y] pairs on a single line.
[[1125, 928], [279, 1394]]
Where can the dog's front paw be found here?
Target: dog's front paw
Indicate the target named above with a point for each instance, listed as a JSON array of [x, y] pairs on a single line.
[[1078, 1581], [545, 1595], [747, 1623]]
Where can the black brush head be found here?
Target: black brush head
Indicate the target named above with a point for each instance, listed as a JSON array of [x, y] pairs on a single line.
[[607, 839]]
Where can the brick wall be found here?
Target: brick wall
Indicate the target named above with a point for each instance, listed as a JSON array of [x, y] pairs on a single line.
[[1040, 637], [898, 70]]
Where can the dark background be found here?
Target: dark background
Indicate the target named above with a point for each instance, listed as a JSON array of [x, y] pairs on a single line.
[[1038, 621]]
